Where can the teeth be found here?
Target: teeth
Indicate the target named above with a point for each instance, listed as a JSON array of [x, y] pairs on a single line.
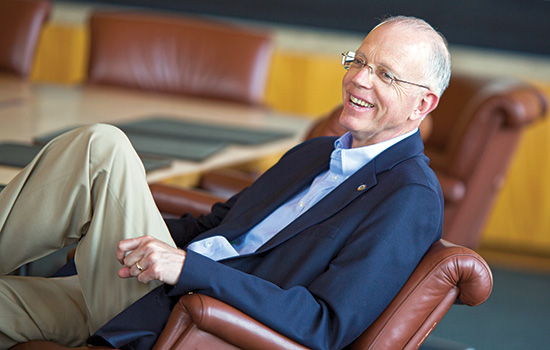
[[360, 102]]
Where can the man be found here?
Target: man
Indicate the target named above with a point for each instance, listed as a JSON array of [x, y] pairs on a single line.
[[316, 248]]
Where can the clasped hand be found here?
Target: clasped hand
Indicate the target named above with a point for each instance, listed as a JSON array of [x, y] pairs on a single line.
[[157, 260]]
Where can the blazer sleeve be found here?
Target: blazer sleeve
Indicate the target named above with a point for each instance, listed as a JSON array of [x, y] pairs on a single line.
[[360, 281]]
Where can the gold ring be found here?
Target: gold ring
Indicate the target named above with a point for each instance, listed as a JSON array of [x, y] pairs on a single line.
[[140, 268]]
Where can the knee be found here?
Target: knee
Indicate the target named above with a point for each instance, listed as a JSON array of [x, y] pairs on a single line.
[[105, 139], [103, 131], [104, 136]]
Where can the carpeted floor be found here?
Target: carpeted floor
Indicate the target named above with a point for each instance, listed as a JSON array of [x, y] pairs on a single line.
[[516, 316]]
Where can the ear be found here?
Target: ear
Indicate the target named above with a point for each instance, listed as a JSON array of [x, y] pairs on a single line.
[[425, 105]]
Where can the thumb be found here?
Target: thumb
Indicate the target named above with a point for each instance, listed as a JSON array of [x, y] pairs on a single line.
[[124, 272]]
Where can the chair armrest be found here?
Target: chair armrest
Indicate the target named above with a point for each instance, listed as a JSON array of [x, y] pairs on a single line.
[[201, 322], [490, 110], [178, 201], [445, 273], [225, 182], [522, 104], [453, 189]]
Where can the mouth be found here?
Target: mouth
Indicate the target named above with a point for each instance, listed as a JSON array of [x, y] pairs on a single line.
[[360, 103]]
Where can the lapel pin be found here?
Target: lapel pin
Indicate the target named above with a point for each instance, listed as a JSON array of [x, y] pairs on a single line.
[[361, 188]]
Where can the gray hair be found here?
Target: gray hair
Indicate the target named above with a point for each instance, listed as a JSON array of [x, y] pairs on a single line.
[[438, 72]]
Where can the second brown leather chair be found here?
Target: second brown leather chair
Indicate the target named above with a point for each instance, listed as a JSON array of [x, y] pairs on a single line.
[[20, 28], [177, 54], [477, 128]]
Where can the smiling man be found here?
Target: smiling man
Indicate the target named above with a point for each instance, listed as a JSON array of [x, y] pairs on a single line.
[[316, 248]]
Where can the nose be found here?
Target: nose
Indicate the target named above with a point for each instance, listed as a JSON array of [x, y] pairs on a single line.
[[363, 77]]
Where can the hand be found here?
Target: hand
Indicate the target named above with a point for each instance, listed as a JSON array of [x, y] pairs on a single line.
[[159, 261]]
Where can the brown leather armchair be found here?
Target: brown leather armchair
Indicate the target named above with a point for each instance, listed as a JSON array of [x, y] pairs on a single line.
[[470, 138], [476, 130], [21, 23], [445, 274], [181, 55]]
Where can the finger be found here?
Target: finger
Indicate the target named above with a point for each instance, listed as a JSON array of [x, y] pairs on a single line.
[[144, 277], [129, 272], [145, 246], [126, 246], [126, 253], [136, 270], [134, 257]]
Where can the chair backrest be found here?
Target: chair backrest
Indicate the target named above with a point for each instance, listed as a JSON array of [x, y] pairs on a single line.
[[21, 23], [476, 130], [182, 55], [445, 273]]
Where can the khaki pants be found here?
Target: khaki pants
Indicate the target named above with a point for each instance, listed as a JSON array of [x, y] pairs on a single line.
[[86, 186]]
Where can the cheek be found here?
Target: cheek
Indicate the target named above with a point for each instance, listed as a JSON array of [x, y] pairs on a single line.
[[400, 95], [345, 83], [347, 79]]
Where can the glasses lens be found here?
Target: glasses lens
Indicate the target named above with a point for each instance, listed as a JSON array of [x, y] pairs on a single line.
[[347, 59]]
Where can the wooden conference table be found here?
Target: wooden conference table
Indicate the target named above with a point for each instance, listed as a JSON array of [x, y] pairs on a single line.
[[28, 110]]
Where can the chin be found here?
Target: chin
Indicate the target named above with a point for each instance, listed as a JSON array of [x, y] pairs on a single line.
[[350, 119], [348, 123]]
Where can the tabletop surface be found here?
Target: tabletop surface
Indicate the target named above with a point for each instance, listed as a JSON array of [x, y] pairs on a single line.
[[28, 110]]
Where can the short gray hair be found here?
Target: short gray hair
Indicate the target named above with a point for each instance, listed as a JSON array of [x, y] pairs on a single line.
[[438, 72]]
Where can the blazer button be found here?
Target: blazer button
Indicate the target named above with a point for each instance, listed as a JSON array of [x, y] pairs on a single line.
[[361, 188]]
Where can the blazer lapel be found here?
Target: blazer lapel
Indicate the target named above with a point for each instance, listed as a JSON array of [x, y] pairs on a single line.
[[334, 202]]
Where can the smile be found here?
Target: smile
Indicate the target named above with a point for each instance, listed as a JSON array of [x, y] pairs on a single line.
[[360, 102]]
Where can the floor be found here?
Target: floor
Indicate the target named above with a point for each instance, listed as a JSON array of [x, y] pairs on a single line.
[[515, 317]]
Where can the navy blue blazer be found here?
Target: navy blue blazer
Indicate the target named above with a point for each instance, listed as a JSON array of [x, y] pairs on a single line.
[[324, 278]]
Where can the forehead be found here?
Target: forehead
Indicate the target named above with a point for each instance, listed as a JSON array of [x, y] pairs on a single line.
[[398, 48]]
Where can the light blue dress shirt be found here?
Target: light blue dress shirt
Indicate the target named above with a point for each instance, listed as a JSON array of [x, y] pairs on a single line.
[[344, 162]]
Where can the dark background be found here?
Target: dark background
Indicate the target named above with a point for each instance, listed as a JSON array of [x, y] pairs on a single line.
[[512, 25]]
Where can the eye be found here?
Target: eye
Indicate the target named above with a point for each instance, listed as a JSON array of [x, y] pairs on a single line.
[[386, 76], [359, 62]]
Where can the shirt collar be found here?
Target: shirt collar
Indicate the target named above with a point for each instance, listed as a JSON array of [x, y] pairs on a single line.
[[345, 160]]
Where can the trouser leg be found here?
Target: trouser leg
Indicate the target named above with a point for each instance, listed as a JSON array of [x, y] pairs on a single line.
[[88, 186], [42, 308]]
